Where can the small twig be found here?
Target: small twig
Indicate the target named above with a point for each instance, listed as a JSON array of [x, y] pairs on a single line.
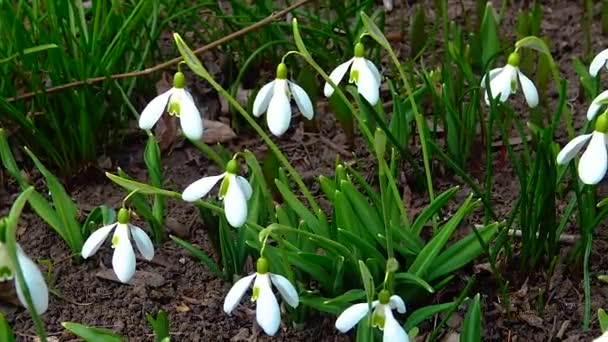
[[169, 63]]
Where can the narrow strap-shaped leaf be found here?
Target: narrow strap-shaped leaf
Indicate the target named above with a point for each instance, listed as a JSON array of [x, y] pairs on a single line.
[[92, 334], [471, 326]]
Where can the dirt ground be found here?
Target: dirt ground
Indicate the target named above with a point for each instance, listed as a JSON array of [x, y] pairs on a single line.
[[193, 296]]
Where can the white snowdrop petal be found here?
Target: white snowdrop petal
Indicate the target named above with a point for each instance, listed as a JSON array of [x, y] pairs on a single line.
[[336, 76], [571, 149], [235, 203], [592, 166], [372, 67], [260, 104], [596, 105], [278, 115], [492, 74], [245, 186], [91, 246], [302, 100], [200, 188], [152, 112], [189, 116], [236, 293], [529, 90], [500, 86], [367, 84], [393, 331], [143, 242], [267, 312], [598, 62], [351, 316], [395, 302], [123, 259], [34, 281], [287, 291]]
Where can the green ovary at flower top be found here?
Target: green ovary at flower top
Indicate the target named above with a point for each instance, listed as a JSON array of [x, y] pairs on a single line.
[[504, 82], [178, 102], [268, 313], [382, 316], [362, 72], [273, 99], [235, 191], [33, 278], [593, 163], [123, 259]]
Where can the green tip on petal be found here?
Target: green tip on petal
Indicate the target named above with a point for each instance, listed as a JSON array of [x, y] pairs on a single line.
[[282, 71], [123, 216], [601, 125], [232, 167], [513, 59], [262, 265], [359, 50], [179, 80], [384, 297]]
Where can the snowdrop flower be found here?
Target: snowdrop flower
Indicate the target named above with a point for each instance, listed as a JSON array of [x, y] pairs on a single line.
[[274, 97], [592, 166], [267, 313], [123, 259], [177, 101], [31, 274], [382, 317], [234, 191], [504, 82], [362, 72], [596, 104], [598, 62]]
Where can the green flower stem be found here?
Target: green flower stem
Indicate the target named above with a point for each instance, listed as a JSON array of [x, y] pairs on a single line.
[[210, 152], [11, 246], [345, 251], [273, 147], [419, 123]]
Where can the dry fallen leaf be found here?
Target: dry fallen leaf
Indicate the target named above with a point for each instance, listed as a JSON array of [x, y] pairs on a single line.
[[141, 278], [217, 132]]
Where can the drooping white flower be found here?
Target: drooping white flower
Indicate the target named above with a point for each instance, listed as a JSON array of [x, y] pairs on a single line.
[[178, 102], [598, 62], [594, 161], [382, 317], [504, 82], [34, 280], [362, 72], [235, 191], [123, 259], [267, 313], [274, 97], [597, 103]]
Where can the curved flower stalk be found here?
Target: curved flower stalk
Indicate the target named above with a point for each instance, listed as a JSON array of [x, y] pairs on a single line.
[[274, 97], [362, 72], [235, 191], [504, 82], [598, 62], [593, 163], [178, 102], [123, 259], [382, 317], [267, 313], [31, 274]]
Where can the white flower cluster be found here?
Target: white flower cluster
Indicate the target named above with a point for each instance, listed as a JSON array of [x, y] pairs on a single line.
[[594, 161]]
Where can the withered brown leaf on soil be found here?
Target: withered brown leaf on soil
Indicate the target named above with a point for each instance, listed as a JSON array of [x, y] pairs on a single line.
[[141, 278]]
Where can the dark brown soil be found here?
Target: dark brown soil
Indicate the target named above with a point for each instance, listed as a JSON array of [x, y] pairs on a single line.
[[193, 297]]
